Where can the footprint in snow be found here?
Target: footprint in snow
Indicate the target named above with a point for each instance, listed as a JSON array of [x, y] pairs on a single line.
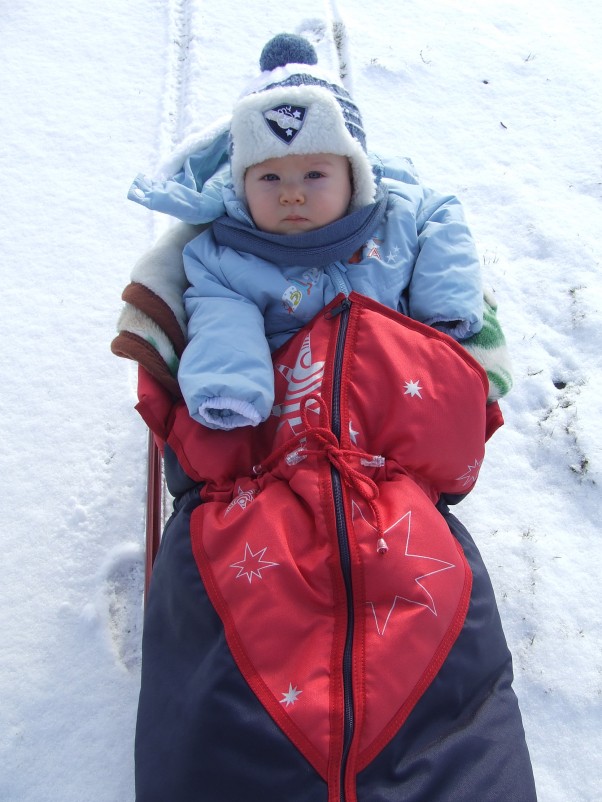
[[122, 591]]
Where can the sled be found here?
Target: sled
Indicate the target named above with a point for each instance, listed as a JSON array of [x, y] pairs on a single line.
[[209, 561]]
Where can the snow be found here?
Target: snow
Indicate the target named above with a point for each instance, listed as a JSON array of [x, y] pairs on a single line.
[[498, 102]]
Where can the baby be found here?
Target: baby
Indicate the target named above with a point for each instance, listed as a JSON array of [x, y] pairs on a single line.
[[309, 217]]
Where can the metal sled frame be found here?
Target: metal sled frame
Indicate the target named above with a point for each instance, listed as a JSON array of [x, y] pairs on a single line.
[[154, 508]]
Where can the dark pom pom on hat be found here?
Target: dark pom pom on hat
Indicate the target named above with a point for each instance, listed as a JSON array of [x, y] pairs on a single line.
[[286, 48]]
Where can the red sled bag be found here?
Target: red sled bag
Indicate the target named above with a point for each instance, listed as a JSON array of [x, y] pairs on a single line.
[[318, 625]]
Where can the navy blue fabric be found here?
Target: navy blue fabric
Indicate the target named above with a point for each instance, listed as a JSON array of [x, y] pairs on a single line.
[[201, 734], [286, 48], [316, 248], [177, 480], [464, 741]]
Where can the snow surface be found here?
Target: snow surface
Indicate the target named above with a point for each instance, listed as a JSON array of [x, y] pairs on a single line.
[[497, 101]]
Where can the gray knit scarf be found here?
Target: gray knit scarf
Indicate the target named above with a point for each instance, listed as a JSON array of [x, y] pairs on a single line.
[[322, 246]]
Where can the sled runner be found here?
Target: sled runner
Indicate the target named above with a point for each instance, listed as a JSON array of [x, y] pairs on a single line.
[[154, 506]]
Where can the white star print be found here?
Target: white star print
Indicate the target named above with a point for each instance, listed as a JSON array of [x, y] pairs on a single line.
[[427, 601], [291, 696], [289, 132], [471, 473], [252, 564], [413, 389]]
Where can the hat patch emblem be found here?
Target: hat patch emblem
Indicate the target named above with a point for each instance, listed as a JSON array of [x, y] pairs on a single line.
[[285, 122]]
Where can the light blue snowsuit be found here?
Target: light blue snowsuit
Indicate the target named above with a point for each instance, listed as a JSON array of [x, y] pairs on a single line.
[[421, 260]]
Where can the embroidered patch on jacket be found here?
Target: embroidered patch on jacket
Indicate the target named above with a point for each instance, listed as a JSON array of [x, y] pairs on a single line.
[[291, 298], [372, 248], [285, 122]]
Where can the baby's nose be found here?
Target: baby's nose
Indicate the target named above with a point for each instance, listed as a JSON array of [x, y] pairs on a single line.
[[292, 193]]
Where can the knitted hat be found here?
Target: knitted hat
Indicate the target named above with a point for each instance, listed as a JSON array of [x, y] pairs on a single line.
[[293, 108]]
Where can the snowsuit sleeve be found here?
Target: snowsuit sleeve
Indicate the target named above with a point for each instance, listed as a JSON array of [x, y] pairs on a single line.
[[446, 290], [225, 373]]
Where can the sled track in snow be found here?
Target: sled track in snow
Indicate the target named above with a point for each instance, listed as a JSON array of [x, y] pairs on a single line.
[[182, 52], [178, 75], [338, 31], [171, 132]]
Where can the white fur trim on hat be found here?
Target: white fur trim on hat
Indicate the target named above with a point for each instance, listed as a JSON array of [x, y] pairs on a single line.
[[321, 130]]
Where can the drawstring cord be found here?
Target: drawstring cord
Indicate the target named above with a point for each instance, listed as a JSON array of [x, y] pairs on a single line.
[[326, 444]]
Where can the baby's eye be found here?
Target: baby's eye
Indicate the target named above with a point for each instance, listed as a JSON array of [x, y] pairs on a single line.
[[314, 174], [269, 177]]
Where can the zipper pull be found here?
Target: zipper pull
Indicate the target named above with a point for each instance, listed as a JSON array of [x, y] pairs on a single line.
[[336, 310], [381, 546]]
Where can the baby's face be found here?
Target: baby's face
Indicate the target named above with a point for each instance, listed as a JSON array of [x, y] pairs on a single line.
[[294, 194]]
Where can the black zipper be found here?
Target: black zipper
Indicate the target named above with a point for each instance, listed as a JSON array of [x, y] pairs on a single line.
[[343, 544]]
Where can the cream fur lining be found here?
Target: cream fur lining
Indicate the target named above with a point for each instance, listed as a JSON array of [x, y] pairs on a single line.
[[323, 131]]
